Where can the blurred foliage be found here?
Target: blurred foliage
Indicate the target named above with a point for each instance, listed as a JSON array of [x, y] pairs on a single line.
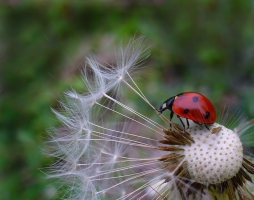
[[200, 45]]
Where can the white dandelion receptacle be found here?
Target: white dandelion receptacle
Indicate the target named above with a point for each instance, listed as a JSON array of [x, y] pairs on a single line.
[[214, 157]]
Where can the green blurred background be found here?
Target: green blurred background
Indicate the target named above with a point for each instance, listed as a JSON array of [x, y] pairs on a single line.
[[200, 45]]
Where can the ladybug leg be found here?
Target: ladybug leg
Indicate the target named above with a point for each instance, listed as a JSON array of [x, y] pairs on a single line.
[[202, 124], [181, 123], [187, 121], [171, 117], [207, 127]]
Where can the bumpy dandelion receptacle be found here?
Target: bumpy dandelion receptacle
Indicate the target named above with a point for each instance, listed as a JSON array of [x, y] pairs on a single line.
[[107, 150]]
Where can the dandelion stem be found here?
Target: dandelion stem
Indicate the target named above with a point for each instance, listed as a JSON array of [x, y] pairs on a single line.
[[140, 174], [142, 188], [119, 170], [121, 132], [135, 112], [117, 141], [117, 137], [120, 161]]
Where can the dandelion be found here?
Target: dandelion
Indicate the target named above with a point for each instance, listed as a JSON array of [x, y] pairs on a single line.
[[107, 150]]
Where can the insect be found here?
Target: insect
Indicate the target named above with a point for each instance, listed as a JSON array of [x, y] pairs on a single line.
[[190, 105]]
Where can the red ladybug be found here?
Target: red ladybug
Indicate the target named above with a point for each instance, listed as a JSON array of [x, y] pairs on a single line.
[[190, 105]]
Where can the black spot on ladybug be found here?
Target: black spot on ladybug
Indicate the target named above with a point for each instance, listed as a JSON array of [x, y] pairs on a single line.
[[195, 99], [207, 115], [186, 110]]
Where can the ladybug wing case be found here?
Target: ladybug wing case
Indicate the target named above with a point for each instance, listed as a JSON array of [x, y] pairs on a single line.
[[194, 106]]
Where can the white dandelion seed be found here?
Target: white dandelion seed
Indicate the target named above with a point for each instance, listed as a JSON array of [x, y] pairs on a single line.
[[116, 152]]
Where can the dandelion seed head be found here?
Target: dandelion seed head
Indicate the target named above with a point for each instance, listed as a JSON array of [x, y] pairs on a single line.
[[109, 150], [213, 158]]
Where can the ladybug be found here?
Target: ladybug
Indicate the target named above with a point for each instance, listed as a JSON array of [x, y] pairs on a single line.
[[190, 105]]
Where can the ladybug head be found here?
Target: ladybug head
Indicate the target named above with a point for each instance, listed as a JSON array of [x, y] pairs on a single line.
[[166, 105]]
